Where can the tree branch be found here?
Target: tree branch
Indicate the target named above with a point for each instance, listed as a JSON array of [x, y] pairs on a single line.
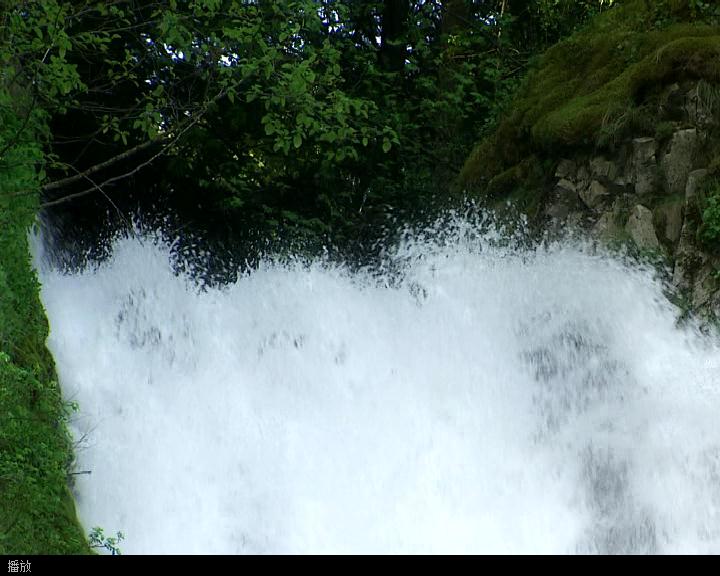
[[128, 153], [97, 167], [99, 187]]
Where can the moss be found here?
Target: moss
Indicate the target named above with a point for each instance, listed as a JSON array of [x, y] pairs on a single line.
[[517, 193], [509, 180], [664, 132], [598, 81], [708, 232], [37, 512], [714, 166]]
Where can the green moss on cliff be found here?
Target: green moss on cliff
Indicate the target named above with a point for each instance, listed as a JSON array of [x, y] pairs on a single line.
[[709, 209], [599, 81], [37, 512]]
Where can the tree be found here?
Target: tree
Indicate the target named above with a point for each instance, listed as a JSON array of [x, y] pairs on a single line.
[[313, 116]]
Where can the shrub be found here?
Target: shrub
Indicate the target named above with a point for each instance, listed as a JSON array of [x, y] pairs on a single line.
[[709, 230]]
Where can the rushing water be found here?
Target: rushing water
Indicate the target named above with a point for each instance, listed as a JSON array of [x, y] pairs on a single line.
[[477, 399]]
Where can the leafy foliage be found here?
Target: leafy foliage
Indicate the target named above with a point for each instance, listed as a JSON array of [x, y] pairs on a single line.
[[709, 229], [310, 118], [37, 514], [97, 539]]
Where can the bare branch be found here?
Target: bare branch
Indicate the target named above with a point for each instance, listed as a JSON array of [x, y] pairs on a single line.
[[97, 167], [98, 187], [132, 151]]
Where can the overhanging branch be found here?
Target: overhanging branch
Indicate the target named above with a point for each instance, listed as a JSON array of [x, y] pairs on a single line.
[[97, 167], [99, 187], [84, 175]]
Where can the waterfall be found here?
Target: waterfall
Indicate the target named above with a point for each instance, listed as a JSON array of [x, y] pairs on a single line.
[[471, 398]]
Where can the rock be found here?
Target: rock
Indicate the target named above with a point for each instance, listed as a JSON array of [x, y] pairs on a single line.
[[583, 177], [563, 201], [669, 217], [641, 229], [606, 228], [687, 257], [644, 151], [681, 271], [644, 166], [714, 305], [678, 162], [602, 169], [566, 169], [557, 211], [698, 108], [646, 180], [595, 195], [566, 187], [574, 222], [694, 180], [621, 180], [704, 286]]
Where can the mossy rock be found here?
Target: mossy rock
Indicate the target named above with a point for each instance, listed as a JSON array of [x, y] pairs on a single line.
[[527, 171], [600, 79], [37, 511]]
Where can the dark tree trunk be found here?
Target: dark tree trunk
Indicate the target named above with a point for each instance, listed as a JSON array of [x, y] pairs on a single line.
[[393, 49]]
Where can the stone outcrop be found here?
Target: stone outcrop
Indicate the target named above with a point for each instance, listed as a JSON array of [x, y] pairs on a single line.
[[644, 173], [677, 163], [646, 193], [595, 195], [641, 229]]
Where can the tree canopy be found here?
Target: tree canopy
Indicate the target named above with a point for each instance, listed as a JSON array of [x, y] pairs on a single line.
[[317, 117]]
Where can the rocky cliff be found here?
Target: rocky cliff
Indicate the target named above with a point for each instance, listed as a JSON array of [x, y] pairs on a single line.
[[651, 192], [616, 134]]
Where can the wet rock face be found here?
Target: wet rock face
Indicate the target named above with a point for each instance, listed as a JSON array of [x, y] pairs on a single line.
[[644, 173], [647, 191], [567, 186], [668, 218], [678, 161], [595, 195], [641, 229], [694, 180], [688, 258], [698, 108], [602, 169], [566, 169], [606, 228]]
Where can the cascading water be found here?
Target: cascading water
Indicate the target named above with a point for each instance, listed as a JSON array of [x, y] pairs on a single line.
[[481, 400]]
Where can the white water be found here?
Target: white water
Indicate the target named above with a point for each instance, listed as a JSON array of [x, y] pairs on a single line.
[[491, 402]]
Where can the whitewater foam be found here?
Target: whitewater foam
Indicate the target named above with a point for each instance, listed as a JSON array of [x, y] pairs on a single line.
[[484, 400]]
